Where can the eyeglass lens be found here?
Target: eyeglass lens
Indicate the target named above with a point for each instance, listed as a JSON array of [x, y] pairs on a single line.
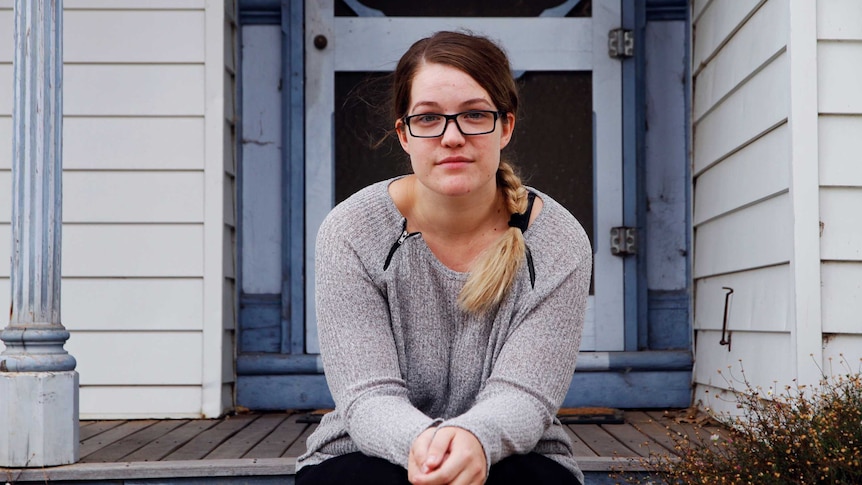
[[469, 123]]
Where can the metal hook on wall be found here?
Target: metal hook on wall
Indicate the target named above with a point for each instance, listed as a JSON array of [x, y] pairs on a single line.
[[725, 334]]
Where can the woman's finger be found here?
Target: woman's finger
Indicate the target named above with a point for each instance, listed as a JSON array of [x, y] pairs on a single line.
[[419, 449], [463, 462], [438, 449]]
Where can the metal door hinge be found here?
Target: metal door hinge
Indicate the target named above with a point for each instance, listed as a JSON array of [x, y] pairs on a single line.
[[621, 43], [624, 241]]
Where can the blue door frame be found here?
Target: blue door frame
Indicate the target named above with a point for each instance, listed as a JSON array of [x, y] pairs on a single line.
[[273, 371]]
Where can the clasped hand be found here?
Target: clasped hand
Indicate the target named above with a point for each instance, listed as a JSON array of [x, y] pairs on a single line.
[[446, 456]]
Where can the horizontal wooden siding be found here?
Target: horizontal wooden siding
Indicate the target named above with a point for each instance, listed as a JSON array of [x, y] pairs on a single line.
[[742, 213], [839, 48], [138, 156]]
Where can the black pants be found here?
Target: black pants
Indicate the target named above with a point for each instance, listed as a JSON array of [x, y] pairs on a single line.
[[359, 469]]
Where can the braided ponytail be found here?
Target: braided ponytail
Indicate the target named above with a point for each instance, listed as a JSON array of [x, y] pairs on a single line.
[[494, 270]]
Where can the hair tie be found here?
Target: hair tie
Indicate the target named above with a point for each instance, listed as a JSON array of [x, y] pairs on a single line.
[[521, 221]]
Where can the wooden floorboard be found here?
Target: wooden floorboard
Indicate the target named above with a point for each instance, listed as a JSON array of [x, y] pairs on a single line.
[[167, 444], [247, 438], [696, 434], [629, 436], [579, 448], [113, 435], [659, 433], [297, 448], [201, 445], [281, 435], [700, 430], [132, 443], [93, 428], [267, 445], [274, 445], [601, 442]]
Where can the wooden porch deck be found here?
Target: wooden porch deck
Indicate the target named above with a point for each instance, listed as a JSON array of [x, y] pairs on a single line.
[[262, 448]]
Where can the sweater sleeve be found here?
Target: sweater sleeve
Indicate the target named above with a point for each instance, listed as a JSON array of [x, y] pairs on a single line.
[[534, 368], [358, 351]]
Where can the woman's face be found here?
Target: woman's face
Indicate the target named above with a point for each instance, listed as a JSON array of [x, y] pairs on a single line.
[[453, 164]]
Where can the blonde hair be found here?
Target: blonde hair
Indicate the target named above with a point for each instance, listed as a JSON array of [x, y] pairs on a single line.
[[494, 271]]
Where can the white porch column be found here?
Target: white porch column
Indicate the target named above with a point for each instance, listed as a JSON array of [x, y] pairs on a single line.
[[38, 382]]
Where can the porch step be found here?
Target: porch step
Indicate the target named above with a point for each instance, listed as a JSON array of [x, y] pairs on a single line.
[[262, 449]]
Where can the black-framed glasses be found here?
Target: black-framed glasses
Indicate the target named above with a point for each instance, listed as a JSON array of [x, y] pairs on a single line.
[[432, 125]]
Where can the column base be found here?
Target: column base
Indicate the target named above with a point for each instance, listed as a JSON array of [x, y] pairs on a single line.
[[38, 419]]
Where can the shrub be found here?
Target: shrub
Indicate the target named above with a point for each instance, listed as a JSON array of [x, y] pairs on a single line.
[[799, 436]]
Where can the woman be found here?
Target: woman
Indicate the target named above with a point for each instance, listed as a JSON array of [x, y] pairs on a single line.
[[450, 301]]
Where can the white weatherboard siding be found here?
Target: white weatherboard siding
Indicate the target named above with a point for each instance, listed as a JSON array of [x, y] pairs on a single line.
[[842, 297], [742, 215], [839, 48], [756, 172], [6, 81], [841, 353], [760, 300], [840, 148], [6, 55], [762, 37], [841, 238], [715, 23], [180, 143], [781, 166], [148, 203]]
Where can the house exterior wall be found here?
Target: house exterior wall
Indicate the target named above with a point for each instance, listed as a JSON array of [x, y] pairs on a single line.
[[839, 128], [774, 186], [742, 219], [148, 206]]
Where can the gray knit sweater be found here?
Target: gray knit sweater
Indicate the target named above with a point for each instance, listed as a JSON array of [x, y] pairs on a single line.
[[400, 355]]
